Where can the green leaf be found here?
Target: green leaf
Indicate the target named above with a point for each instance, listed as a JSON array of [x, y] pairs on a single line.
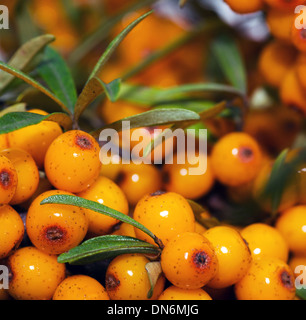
[[16, 120], [228, 55], [19, 74], [55, 72], [105, 247], [91, 89], [152, 118], [301, 293], [97, 207], [111, 89], [23, 57]]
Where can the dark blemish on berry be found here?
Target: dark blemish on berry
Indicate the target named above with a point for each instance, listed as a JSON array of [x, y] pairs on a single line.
[[5, 179], [120, 177], [83, 142], [200, 259], [111, 282], [55, 234], [303, 34], [157, 193], [245, 154], [286, 280]]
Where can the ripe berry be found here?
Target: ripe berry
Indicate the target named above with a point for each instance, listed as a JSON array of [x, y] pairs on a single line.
[[3, 141], [236, 159], [233, 254], [34, 275], [127, 279], [80, 287], [55, 228], [106, 192], [266, 279], [175, 293], [245, 6], [11, 231], [8, 180], [188, 261], [27, 173], [166, 214], [68, 153]]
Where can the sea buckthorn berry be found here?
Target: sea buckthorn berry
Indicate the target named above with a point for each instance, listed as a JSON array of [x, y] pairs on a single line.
[[283, 4], [233, 254], [291, 223], [177, 177], [55, 228], [3, 141], [125, 229], [299, 38], [245, 6], [199, 228], [72, 161], [236, 159], [291, 91], [175, 293], [265, 241], [266, 279], [8, 180], [127, 279], [27, 173], [11, 232], [80, 287], [166, 214], [112, 169], [137, 180], [34, 275], [106, 192], [297, 264], [188, 261], [35, 139], [275, 60]]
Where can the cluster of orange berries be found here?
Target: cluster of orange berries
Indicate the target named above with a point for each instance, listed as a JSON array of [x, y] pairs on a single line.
[[196, 262]]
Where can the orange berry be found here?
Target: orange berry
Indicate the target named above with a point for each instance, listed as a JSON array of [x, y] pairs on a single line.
[[233, 254], [27, 173], [3, 141], [266, 279], [291, 223], [297, 261], [285, 5], [175, 293], [245, 6], [177, 177], [11, 232], [112, 169], [125, 229], [35, 275], [68, 153], [265, 241], [55, 228], [80, 287], [166, 214], [8, 180], [106, 192], [127, 279], [137, 180], [188, 261], [236, 159], [35, 139], [275, 60]]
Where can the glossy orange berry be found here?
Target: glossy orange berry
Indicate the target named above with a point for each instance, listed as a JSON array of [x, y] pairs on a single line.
[[80, 287], [125, 229], [54, 228], [166, 214], [8, 180], [236, 159], [68, 153], [3, 141], [127, 279], [11, 232], [175, 293], [265, 241], [275, 60], [106, 192], [233, 254], [245, 6], [27, 174], [291, 223], [188, 261], [35, 275], [112, 169], [266, 279], [35, 139], [137, 180], [177, 177]]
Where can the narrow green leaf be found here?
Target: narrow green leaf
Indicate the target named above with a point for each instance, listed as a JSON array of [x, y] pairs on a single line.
[[111, 89], [301, 293], [19, 74], [16, 120], [106, 247], [97, 207], [55, 72], [152, 118], [84, 98], [228, 55], [23, 57]]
